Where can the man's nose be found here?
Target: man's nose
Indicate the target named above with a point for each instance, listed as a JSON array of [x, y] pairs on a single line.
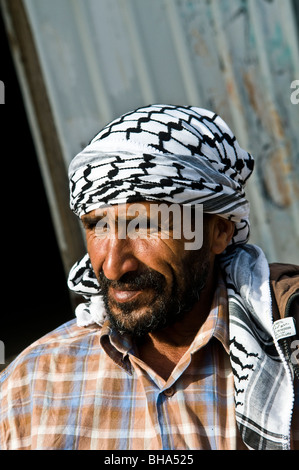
[[119, 259]]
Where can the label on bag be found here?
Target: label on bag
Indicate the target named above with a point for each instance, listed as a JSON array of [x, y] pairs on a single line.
[[284, 328]]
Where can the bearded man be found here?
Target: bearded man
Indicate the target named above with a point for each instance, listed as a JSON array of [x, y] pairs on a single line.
[[178, 345]]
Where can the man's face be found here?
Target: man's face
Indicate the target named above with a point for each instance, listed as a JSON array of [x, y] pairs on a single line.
[[147, 282]]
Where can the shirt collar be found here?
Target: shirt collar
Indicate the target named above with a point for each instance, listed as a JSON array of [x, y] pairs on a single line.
[[217, 320], [116, 346]]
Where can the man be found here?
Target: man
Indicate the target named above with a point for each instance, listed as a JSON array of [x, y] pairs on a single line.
[[175, 347]]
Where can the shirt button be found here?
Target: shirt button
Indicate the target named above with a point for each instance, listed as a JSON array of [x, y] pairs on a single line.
[[169, 392]]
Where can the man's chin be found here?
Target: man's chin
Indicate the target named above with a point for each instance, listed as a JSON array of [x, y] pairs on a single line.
[[136, 320]]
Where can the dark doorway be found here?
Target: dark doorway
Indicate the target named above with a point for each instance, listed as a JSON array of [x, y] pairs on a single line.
[[35, 297]]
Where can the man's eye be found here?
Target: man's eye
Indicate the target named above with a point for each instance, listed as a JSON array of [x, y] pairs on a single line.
[[154, 228], [102, 229]]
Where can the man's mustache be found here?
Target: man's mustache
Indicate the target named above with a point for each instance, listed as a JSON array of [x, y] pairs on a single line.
[[149, 279]]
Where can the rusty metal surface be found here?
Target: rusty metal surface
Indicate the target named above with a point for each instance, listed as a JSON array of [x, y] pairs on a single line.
[[101, 58]]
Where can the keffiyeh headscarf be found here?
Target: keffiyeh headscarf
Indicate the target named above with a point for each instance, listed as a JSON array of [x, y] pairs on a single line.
[[182, 155]]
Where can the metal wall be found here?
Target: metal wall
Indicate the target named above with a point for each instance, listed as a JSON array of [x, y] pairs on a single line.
[[101, 58]]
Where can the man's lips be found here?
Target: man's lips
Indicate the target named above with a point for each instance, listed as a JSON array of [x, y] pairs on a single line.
[[124, 295]]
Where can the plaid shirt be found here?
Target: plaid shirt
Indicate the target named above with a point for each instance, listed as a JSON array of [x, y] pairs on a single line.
[[85, 388]]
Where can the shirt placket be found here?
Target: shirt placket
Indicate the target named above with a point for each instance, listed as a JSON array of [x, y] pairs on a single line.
[[159, 394]]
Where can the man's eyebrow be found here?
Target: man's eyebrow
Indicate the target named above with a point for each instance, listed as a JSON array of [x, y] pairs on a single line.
[[90, 219]]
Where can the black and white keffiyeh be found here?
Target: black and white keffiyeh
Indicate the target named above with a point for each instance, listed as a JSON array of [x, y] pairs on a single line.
[[188, 155], [182, 155]]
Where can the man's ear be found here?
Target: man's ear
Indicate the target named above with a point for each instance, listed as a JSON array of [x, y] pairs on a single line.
[[221, 231]]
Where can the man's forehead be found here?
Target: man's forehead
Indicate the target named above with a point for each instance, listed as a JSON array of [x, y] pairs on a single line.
[[127, 209]]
